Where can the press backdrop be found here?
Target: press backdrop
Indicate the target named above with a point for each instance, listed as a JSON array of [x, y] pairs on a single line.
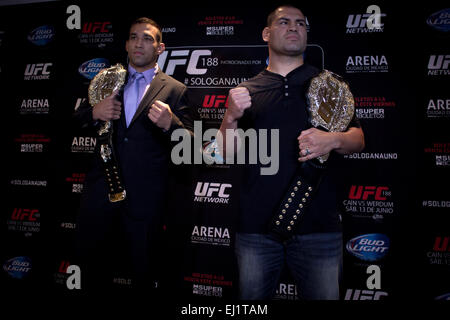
[[393, 195]]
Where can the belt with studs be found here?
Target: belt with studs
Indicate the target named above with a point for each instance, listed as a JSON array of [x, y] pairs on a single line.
[[296, 201], [116, 191]]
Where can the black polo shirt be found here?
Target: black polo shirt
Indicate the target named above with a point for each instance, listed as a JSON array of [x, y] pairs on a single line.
[[279, 103]]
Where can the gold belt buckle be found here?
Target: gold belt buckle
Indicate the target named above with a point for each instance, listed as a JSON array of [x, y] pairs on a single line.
[[116, 197]]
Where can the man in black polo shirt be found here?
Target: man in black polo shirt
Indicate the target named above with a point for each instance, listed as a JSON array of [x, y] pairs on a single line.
[[275, 100]]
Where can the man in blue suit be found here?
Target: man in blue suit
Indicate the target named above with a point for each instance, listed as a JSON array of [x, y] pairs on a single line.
[[152, 106]]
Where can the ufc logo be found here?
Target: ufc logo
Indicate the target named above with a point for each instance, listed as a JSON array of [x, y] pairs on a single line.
[[24, 214], [363, 192], [92, 27], [441, 244], [360, 20], [439, 62], [355, 294], [63, 266], [208, 189], [215, 101], [37, 68], [182, 58]]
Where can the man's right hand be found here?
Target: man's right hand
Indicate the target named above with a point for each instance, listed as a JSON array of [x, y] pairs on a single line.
[[239, 100], [107, 109]]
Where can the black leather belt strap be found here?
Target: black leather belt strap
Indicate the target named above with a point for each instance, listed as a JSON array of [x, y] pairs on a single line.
[[116, 190], [297, 199]]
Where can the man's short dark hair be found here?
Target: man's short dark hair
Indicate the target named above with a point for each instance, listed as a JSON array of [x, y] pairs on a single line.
[[151, 22], [271, 16]]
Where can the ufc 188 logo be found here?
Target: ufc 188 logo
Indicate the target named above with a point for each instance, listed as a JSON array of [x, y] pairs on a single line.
[[196, 61], [215, 101], [369, 192], [25, 214]]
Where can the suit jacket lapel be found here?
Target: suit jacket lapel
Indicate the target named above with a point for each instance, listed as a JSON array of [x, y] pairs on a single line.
[[155, 87]]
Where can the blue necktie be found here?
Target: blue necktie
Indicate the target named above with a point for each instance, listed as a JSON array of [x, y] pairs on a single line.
[[136, 91]]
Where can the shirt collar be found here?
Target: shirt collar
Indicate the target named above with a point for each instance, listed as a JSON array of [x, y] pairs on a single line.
[[298, 75], [289, 75], [148, 74]]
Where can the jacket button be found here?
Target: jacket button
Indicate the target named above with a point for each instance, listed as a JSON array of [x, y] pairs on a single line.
[[125, 139]]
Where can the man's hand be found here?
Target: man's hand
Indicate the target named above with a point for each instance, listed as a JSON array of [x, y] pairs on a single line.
[[107, 109], [314, 143], [238, 100], [161, 115]]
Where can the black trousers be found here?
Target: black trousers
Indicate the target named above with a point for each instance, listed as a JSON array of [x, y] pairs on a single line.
[[115, 251]]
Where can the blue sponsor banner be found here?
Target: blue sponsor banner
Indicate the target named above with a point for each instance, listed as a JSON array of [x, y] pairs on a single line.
[[443, 297], [90, 68], [369, 247], [18, 267], [41, 35], [440, 20]]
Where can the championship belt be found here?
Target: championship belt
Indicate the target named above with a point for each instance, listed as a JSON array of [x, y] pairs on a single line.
[[331, 108], [102, 86], [331, 104]]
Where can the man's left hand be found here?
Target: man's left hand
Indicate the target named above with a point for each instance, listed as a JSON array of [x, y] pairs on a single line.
[[160, 114], [314, 143]]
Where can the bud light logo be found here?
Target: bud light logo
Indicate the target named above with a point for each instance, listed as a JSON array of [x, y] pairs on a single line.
[[18, 267], [90, 68], [41, 35], [369, 247], [443, 297], [440, 20]]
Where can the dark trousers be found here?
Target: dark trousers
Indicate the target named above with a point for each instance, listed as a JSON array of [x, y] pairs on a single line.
[[115, 251]]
